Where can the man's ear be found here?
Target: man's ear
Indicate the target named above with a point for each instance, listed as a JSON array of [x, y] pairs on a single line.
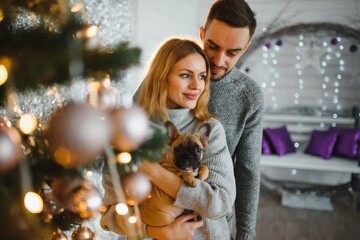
[[247, 46], [172, 132], [201, 33]]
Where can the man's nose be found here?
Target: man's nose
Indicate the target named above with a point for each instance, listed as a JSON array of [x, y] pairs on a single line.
[[219, 59]]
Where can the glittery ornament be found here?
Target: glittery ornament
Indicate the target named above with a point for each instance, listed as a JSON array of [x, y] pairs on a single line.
[[85, 201], [82, 233], [131, 128], [353, 48], [136, 187], [59, 235], [62, 187], [334, 41], [10, 145], [77, 133], [107, 97], [267, 45]]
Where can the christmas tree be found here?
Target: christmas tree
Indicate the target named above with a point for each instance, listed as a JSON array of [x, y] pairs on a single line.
[[46, 160]]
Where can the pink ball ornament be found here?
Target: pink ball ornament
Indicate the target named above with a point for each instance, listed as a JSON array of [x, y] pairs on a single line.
[[10, 145], [77, 133], [130, 128], [136, 187]]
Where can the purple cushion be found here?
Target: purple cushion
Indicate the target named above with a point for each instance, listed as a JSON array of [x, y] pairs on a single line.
[[280, 140], [347, 142], [265, 147], [322, 143]]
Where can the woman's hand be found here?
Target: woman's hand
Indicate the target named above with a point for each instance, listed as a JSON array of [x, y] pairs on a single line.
[[183, 228]]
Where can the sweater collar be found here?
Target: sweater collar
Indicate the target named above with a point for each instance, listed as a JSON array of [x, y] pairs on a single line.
[[226, 78], [180, 117]]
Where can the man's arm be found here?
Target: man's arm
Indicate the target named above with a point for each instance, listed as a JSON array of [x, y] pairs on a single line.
[[247, 174]]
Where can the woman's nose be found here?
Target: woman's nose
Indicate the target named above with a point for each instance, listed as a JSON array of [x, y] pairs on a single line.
[[194, 83]]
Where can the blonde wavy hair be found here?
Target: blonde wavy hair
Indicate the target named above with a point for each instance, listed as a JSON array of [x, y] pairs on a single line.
[[153, 93]]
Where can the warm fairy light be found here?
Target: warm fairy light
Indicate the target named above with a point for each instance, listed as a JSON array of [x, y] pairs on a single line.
[[33, 202], [124, 157], [28, 123], [121, 208], [92, 31], [132, 219], [3, 74], [1, 15], [89, 173], [77, 7]]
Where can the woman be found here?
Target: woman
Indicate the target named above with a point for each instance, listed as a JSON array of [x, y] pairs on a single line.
[[176, 88]]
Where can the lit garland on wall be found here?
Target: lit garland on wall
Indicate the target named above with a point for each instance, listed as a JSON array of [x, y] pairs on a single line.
[[318, 49]]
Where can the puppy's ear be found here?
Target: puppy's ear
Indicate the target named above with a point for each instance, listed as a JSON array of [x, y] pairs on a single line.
[[203, 133], [172, 131]]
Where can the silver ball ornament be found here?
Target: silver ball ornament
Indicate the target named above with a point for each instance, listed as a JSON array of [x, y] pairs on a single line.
[[77, 133], [10, 145], [136, 187], [130, 128]]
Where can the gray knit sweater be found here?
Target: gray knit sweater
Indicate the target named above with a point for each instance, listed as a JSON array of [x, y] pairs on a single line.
[[238, 102], [212, 199]]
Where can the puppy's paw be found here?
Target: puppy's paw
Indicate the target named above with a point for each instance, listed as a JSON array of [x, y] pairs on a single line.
[[189, 179], [203, 172]]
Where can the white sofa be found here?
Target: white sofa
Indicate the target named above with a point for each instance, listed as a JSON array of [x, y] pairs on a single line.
[[300, 167]]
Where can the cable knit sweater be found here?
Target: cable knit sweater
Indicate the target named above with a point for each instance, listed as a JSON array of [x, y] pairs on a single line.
[[212, 199], [238, 102]]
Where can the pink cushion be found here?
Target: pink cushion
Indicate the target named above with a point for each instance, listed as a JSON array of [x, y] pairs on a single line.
[[280, 141], [322, 144]]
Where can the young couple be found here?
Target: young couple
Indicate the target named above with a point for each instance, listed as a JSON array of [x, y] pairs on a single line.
[[190, 86]]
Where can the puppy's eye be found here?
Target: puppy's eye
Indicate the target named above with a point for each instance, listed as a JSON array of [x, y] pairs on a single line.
[[198, 150]]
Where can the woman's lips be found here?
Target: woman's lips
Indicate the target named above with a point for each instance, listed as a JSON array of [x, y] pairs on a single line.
[[191, 96]]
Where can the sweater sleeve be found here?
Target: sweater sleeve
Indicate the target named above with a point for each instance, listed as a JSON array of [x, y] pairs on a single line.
[[247, 171], [110, 220], [214, 197]]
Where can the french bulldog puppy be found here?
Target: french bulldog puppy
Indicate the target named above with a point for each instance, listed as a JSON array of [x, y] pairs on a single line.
[[184, 159]]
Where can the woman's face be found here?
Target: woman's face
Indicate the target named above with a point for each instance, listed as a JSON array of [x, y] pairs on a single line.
[[186, 82]]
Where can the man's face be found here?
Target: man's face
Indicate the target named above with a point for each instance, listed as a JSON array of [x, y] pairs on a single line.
[[224, 45]]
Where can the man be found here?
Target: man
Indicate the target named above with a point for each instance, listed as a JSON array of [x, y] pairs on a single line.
[[238, 101]]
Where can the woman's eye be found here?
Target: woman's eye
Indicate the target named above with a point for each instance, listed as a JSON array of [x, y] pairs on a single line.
[[185, 75], [202, 77]]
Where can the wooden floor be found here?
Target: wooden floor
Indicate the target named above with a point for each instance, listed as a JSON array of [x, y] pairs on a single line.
[[276, 222]]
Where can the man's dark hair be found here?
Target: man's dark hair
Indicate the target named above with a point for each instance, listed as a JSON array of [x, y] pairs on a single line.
[[235, 13]]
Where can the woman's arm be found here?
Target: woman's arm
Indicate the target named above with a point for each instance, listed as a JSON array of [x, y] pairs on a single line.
[[164, 179]]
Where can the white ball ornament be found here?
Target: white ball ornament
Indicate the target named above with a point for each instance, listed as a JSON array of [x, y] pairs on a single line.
[[130, 128]]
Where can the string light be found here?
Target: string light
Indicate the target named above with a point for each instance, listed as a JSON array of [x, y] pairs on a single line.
[[3, 74], [132, 219], [33, 202], [28, 123], [124, 157], [121, 208]]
